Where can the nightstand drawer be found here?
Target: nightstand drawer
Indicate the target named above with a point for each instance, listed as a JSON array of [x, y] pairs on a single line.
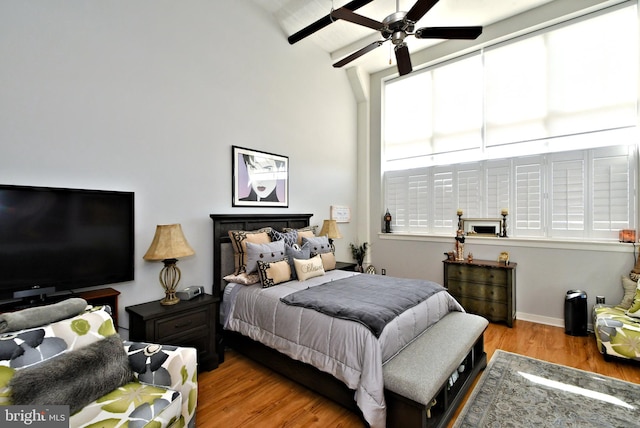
[[181, 324], [479, 291]]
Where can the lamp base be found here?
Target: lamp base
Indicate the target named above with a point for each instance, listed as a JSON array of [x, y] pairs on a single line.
[[169, 278], [170, 299]]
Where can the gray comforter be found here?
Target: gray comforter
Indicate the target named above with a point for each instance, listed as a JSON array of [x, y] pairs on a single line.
[[347, 350], [371, 300]]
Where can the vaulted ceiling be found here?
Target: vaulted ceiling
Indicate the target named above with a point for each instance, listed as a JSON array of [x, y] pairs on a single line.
[[342, 38]]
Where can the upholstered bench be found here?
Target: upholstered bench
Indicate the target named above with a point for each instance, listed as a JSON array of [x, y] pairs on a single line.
[[426, 381]]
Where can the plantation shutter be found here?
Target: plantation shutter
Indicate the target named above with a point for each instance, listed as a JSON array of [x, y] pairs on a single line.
[[497, 187], [568, 194], [443, 209], [528, 220], [612, 191], [469, 190]]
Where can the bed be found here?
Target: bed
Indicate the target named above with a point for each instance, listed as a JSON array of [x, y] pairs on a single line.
[[335, 357]]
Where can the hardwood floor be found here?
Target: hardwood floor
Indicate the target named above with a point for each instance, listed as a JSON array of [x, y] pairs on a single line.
[[242, 393]]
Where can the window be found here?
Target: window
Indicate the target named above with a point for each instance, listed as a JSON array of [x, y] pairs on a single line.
[[544, 126]]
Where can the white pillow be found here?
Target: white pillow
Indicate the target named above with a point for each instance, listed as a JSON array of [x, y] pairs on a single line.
[[309, 268]]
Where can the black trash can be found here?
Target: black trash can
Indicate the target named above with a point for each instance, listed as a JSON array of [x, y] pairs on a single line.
[[575, 313]]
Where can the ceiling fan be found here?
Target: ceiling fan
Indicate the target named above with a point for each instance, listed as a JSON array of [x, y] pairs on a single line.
[[395, 27]]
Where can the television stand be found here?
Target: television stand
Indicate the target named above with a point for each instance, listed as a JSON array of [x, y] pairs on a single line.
[[102, 296]]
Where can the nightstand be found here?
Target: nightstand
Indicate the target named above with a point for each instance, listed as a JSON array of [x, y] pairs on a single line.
[[187, 323], [346, 266]]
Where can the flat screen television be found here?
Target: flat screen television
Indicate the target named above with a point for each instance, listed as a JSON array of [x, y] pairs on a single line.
[[55, 239]]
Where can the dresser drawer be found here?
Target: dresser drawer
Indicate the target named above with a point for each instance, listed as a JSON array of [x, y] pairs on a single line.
[[473, 274], [181, 324], [491, 310], [479, 291]]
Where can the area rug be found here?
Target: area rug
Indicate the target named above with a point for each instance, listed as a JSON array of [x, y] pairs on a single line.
[[518, 391]]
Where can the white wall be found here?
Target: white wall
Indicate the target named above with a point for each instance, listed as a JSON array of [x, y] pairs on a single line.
[[148, 96], [545, 270]]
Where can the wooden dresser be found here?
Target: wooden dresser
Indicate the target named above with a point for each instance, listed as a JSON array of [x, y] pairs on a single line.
[[483, 287]]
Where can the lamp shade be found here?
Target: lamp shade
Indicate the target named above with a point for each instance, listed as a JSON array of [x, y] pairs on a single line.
[[330, 228], [168, 243]]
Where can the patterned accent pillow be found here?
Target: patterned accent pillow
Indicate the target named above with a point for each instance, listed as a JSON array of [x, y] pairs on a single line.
[[317, 245], [305, 232], [328, 261], [296, 252], [310, 268], [629, 287], [270, 252], [289, 238], [244, 278], [273, 273], [634, 310], [239, 239]]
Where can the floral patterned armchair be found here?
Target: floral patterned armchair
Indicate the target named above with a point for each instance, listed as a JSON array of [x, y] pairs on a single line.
[[163, 392]]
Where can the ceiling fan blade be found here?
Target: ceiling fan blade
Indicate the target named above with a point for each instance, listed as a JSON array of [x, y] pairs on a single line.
[[419, 9], [468, 33], [323, 22], [403, 59], [357, 54], [350, 16]]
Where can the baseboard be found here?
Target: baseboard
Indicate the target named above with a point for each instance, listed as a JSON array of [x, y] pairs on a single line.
[[555, 322]]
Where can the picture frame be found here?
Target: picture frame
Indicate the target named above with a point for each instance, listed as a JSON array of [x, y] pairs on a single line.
[[482, 226], [340, 213], [260, 179]]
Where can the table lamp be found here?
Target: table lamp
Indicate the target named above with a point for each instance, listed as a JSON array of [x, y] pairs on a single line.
[[330, 229], [168, 245]]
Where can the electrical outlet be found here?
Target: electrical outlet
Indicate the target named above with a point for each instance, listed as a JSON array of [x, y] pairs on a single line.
[[383, 271]]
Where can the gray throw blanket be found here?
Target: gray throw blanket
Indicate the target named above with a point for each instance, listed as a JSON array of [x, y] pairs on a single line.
[[372, 300], [41, 315]]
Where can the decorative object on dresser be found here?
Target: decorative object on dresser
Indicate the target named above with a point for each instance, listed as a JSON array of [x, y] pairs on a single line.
[[168, 245], [190, 323], [483, 287], [330, 229]]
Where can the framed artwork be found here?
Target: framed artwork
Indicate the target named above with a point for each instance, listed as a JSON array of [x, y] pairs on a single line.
[[260, 179], [482, 226], [341, 214]]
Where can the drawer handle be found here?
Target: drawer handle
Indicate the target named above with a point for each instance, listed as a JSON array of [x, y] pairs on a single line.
[[182, 325]]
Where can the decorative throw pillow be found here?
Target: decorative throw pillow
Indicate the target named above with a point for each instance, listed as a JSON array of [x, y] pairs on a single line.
[[309, 268], [317, 245], [75, 378], [289, 238], [634, 309], [270, 252], [239, 239], [273, 273], [629, 286], [295, 252], [305, 232], [244, 278], [328, 261]]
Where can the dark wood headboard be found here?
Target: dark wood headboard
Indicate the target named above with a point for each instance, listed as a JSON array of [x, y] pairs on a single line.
[[223, 223]]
